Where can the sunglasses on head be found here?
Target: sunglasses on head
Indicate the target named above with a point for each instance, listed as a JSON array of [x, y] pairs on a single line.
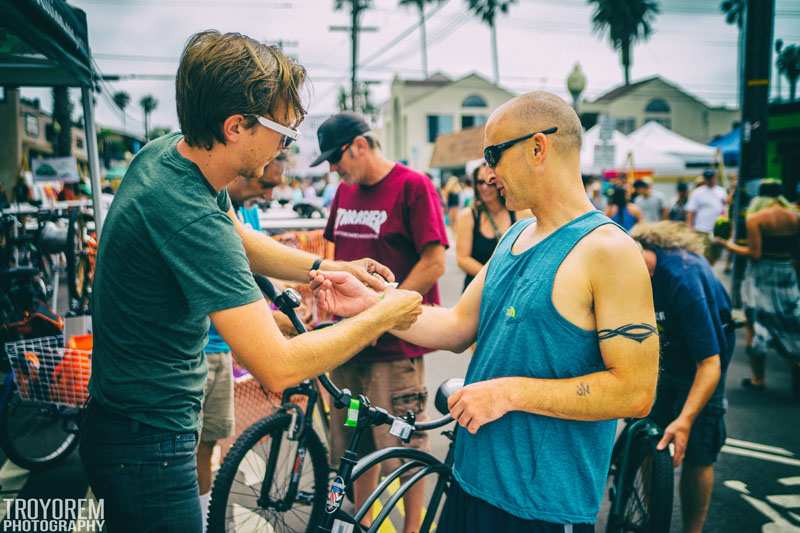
[[493, 153]]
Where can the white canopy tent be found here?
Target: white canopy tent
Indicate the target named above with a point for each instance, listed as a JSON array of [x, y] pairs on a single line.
[[644, 157], [656, 137]]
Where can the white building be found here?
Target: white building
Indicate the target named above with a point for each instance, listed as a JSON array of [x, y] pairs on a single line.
[[418, 111]]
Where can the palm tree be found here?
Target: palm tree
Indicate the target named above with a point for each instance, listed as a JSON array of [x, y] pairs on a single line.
[[122, 99], [626, 22], [62, 121], [487, 11], [420, 5], [789, 65], [734, 14], [148, 104], [734, 11]]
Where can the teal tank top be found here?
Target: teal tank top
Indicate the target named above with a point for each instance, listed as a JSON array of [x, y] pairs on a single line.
[[535, 467]]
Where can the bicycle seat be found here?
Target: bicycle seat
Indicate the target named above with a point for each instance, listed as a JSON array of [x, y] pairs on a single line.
[[446, 389]]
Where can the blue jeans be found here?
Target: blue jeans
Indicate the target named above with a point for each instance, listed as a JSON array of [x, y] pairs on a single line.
[[146, 476]]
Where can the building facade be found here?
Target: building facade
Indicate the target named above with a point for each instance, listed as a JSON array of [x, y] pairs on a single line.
[[419, 111], [656, 99], [27, 132]]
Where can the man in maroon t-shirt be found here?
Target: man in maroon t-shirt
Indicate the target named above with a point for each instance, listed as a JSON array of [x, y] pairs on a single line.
[[392, 214]]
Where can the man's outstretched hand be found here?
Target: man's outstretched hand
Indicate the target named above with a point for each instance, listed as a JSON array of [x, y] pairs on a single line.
[[341, 293]]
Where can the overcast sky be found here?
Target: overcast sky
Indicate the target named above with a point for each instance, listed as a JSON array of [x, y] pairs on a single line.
[[539, 42]]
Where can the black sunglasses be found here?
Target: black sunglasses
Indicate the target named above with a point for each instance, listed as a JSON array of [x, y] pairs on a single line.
[[337, 156], [493, 153]]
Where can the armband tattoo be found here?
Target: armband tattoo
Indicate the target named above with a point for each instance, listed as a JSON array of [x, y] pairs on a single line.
[[636, 332]]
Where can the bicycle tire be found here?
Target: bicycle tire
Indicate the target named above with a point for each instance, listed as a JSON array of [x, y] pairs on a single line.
[[35, 437], [657, 516], [74, 253], [220, 516]]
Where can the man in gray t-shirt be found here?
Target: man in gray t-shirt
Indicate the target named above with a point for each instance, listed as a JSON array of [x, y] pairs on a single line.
[[649, 201]]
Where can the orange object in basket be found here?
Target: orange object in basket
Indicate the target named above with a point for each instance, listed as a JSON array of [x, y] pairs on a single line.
[[71, 377], [81, 342]]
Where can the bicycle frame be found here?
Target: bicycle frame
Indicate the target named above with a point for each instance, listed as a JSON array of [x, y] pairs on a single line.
[[428, 465], [302, 421], [350, 469], [366, 417]]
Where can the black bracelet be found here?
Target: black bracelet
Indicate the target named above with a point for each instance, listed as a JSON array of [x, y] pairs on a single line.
[[317, 263]]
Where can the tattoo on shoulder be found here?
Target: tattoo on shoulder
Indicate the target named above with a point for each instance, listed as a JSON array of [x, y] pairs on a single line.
[[636, 332], [583, 389]]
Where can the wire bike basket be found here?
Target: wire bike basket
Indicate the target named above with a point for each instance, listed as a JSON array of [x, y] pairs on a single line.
[[47, 372]]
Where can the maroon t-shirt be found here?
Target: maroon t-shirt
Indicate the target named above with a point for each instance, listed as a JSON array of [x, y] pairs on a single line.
[[390, 222]]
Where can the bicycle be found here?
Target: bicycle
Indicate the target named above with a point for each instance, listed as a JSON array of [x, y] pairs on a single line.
[[265, 474], [42, 401], [642, 479], [81, 251]]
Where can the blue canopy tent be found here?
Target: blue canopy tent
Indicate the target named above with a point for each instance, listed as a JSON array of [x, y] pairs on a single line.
[[730, 146]]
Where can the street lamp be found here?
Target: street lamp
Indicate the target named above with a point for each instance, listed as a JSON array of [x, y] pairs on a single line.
[[576, 83]]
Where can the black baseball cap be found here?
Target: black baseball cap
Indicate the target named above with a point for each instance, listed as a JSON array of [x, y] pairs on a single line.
[[336, 131]]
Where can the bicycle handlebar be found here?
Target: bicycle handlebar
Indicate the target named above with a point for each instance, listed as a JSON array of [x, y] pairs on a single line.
[[341, 398]]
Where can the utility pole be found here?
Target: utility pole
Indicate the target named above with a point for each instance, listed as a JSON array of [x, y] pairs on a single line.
[[759, 21], [283, 44], [356, 7]]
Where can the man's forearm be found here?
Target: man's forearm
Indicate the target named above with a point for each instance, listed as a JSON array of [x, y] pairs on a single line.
[[597, 396], [271, 258], [423, 276], [705, 383], [469, 265], [438, 328], [318, 351]]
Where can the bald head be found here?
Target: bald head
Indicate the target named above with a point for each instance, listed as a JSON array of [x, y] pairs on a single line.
[[536, 111]]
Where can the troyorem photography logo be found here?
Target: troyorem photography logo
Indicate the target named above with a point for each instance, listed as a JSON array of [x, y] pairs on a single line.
[[54, 515]]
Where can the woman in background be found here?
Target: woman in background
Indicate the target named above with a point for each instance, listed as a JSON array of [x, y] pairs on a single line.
[[770, 285], [621, 211], [451, 196], [479, 227]]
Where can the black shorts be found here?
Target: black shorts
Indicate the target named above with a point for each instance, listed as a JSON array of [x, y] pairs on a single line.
[[464, 513], [708, 431]]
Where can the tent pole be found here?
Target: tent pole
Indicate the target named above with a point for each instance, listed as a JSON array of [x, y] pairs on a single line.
[[94, 160]]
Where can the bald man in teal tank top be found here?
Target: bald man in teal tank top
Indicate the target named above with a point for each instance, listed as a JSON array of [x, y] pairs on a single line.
[[566, 338]]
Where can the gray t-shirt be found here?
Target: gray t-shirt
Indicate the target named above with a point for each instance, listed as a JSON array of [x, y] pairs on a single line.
[[169, 255], [652, 206]]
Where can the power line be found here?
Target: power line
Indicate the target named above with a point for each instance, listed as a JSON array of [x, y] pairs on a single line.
[[405, 33], [192, 3]]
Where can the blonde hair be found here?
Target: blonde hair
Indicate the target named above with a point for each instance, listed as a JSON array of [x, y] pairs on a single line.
[[668, 235]]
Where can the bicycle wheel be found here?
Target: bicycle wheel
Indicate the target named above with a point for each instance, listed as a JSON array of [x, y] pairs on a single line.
[[236, 492], [648, 491], [36, 436], [76, 268]]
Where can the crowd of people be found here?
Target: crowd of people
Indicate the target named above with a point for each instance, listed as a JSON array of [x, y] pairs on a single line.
[[563, 344]]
